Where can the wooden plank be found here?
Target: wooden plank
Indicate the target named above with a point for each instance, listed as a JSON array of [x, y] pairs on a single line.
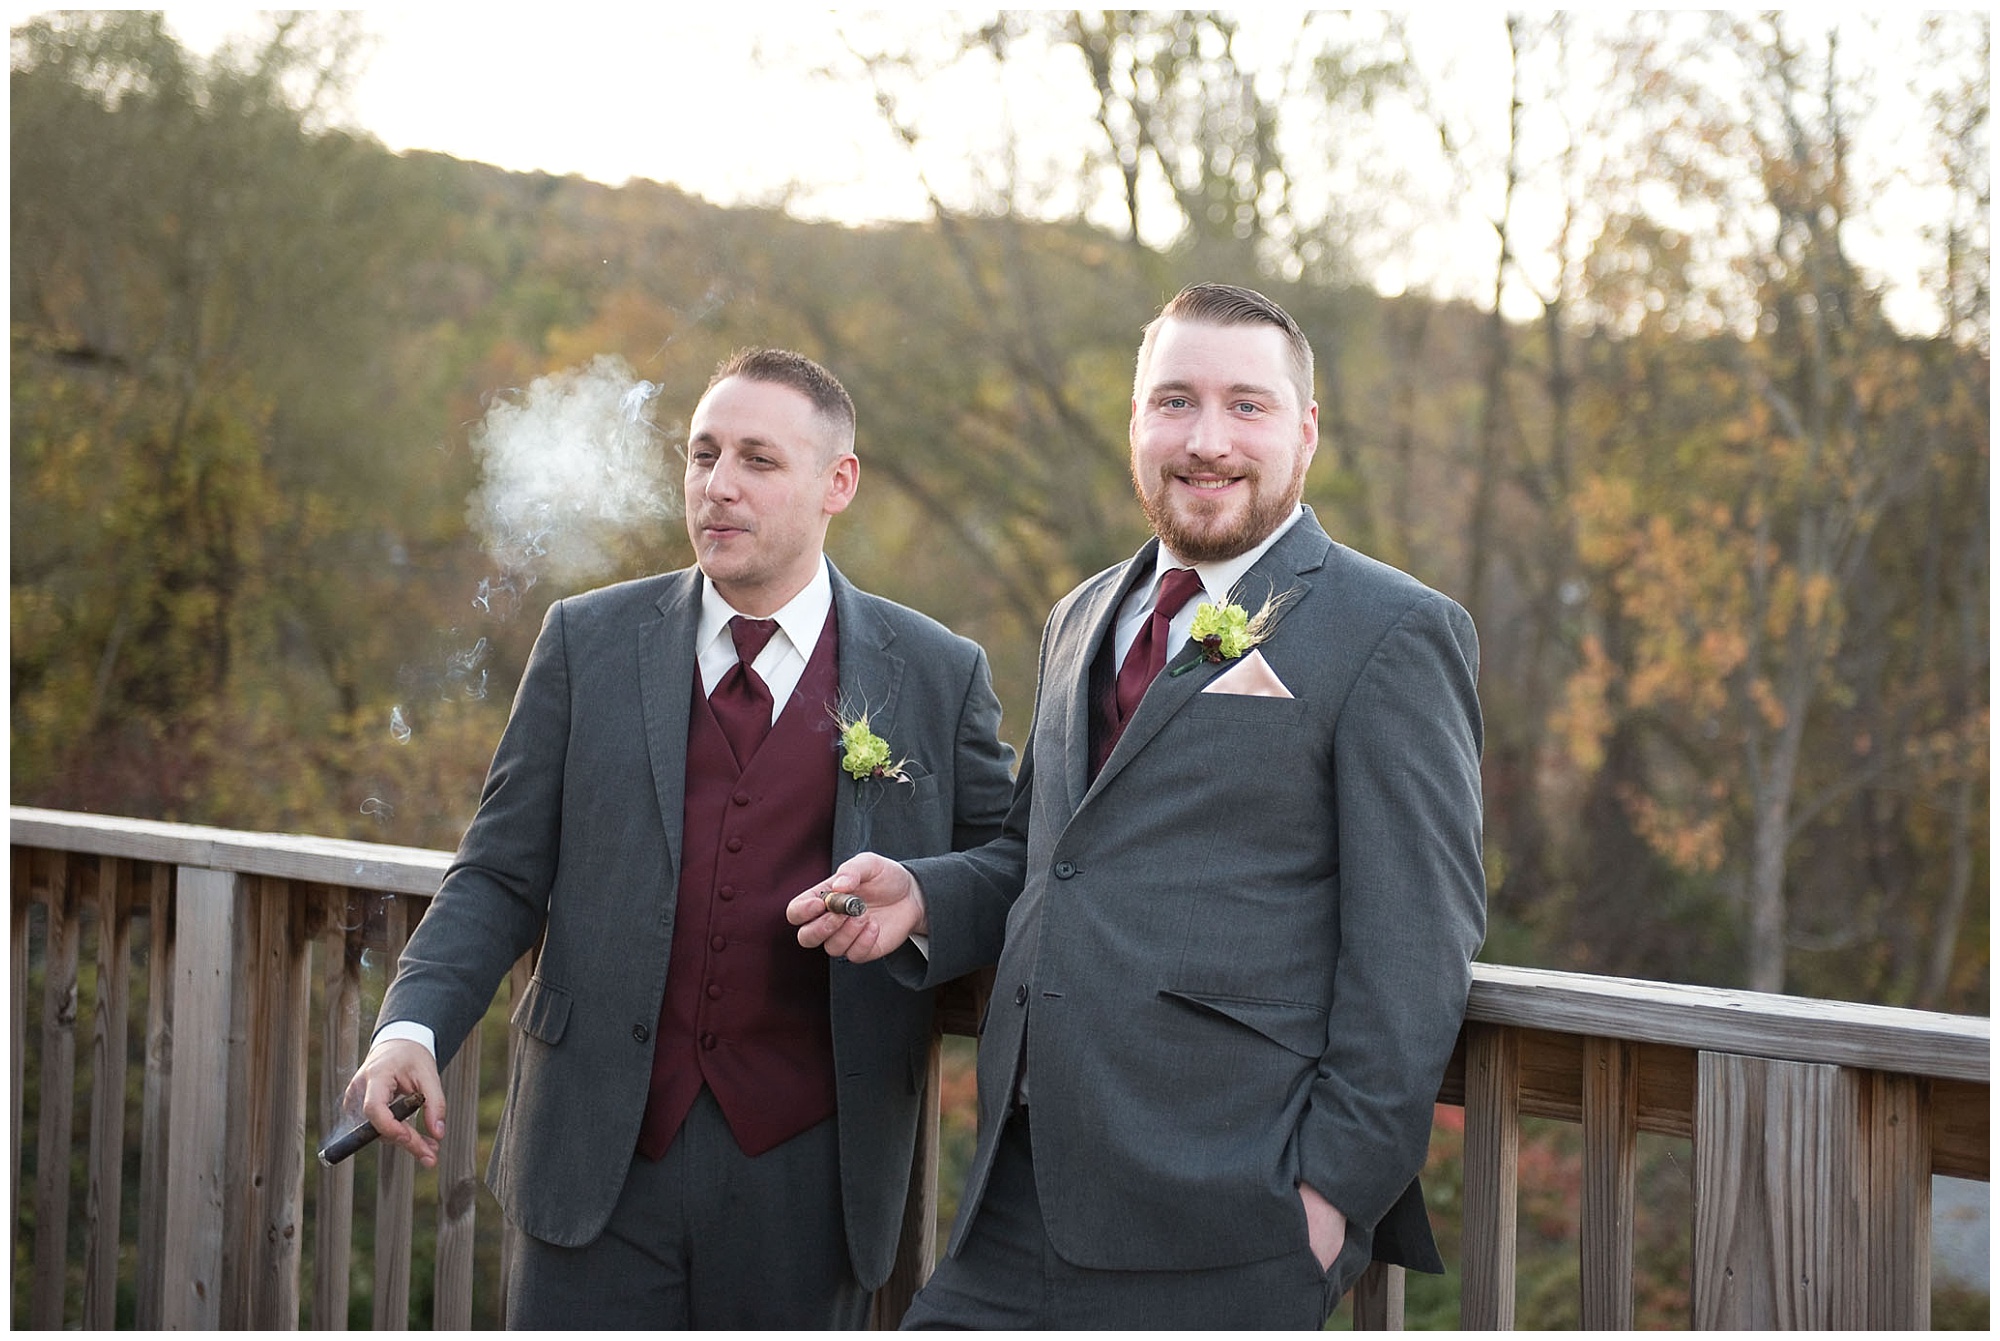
[[1778, 1186], [1897, 1141], [282, 987], [1378, 1299], [916, 1243], [332, 861], [1551, 1084], [395, 1177], [340, 1051], [246, 1115], [1961, 1130], [1492, 1162], [206, 914], [458, 1189], [518, 979], [58, 1096], [107, 1093], [148, 1283], [1610, 1182], [1762, 1024], [17, 1034]]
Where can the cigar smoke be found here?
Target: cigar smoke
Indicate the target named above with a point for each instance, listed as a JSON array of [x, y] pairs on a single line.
[[571, 467]]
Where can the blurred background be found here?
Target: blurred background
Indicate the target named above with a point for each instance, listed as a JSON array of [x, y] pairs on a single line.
[[1659, 340]]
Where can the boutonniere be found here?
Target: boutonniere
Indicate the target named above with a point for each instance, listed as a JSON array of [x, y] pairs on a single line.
[[864, 755], [1225, 632]]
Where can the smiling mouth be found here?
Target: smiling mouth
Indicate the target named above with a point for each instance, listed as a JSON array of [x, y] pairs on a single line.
[[1206, 485]]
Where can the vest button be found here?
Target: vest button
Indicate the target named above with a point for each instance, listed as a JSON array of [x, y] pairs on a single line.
[[1065, 869], [1021, 995], [714, 992], [741, 798], [640, 1033], [716, 942], [735, 844], [708, 1042], [726, 893]]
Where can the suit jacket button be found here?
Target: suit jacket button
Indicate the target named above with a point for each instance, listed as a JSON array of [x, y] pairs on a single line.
[[1065, 869], [640, 1033], [1021, 995], [735, 844]]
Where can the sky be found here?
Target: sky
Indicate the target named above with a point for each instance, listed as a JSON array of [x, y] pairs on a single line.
[[735, 104]]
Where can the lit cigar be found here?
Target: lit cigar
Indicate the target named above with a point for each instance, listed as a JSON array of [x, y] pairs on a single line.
[[847, 905]]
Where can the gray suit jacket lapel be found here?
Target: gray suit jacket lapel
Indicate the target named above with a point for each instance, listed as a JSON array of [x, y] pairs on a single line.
[[1282, 570], [666, 694], [1097, 616], [870, 678]]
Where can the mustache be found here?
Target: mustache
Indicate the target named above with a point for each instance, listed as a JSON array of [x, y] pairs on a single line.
[[705, 518]]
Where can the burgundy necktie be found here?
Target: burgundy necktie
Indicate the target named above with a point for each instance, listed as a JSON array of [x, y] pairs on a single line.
[[741, 700], [1148, 653]]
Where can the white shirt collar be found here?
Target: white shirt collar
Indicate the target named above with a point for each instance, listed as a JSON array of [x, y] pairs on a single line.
[[800, 619], [1219, 577]]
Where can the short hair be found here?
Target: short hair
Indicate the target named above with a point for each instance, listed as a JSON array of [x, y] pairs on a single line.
[[783, 367], [1231, 305]]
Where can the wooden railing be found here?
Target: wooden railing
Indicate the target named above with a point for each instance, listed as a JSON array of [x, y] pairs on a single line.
[[1816, 1125]]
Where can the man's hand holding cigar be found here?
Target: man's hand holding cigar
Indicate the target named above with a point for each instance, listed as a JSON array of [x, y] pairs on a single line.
[[891, 911]]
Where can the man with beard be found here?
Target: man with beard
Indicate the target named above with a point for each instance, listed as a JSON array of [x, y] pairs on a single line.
[[1236, 899], [709, 1125]]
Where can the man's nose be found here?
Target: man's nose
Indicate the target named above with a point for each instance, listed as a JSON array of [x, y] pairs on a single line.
[[722, 481], [1208, 435]]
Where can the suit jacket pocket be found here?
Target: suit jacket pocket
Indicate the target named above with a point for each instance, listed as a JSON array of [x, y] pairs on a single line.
[[1294, 1025], [1249, 709], [543, 1012]]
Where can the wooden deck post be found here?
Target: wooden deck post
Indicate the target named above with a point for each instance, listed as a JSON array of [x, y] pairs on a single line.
[[1896, 1127], [1492, 1165], [148, 1282], [1779, 1180], [281, 988], [58, 1091], [340, 1054], [458, 1190], [1378, 1298], [208, 908], [395, 1172], [1610, 1105], [107, 1093]]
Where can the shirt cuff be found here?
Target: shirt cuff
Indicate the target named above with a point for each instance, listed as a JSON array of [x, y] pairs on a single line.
[[921, 939], [410, 1029]]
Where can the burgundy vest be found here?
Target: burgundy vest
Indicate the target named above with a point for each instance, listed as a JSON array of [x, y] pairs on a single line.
[[746, 1010]]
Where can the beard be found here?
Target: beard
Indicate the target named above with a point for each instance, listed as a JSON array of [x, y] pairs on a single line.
[[1204, 533]]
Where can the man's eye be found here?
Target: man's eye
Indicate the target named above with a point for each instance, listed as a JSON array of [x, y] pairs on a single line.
[[701, 456], [1247, 407], [1175, 403]]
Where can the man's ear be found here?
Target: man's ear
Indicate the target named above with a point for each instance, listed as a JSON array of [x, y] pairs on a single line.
[[841, 482]]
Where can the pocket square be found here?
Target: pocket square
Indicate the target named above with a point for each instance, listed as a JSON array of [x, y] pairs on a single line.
[[1253, 676]]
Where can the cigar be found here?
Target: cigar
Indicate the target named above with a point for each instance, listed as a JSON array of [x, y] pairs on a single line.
[[847, 905], [361, 1132]]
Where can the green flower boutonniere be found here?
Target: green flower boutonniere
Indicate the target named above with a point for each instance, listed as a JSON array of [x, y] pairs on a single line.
[[1226, 632], [864, 755]]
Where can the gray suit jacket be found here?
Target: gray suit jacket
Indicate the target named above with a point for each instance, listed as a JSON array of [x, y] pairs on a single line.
[[577, 844], [1238, 958]]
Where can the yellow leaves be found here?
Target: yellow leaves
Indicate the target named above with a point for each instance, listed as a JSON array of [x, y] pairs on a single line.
[[1584, 719], [1691, 843]]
